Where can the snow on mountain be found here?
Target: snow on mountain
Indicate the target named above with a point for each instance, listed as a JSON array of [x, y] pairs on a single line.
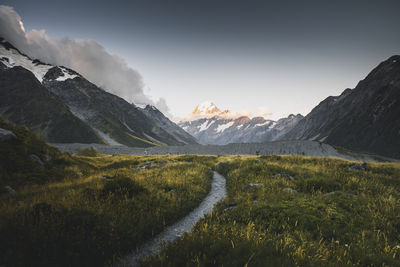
[[105, 117], [206, 109], [12, 58], [210, 125], [223, 127]]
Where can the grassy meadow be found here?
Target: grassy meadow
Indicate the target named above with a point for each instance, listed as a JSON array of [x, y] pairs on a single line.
[[89, 209], [337, 216]]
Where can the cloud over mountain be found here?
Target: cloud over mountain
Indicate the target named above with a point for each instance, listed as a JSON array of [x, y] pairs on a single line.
[[88, 57]]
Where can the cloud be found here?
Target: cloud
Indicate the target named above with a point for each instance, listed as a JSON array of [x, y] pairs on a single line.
[[87, 57]]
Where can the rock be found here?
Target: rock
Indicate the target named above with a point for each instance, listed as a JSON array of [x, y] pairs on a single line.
[[137, 168], [172, 191], [357, 167], [10, 191], [47, 157], [290, 191], [283, 175], [329, 194], [231, 206], [107, 178], [250, 186], [36, 159], [6, 135]]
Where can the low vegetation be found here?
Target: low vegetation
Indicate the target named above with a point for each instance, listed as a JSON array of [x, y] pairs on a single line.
[[89, 210], [297, 211]]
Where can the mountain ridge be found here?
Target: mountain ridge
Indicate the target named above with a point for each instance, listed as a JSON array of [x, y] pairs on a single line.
[[365, 119], [212, 126], [111, 119]]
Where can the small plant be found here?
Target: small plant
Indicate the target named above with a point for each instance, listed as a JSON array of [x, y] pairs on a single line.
[[122, 187], [88, 152]]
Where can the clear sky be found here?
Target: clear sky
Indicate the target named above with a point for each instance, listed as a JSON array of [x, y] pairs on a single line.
[[284, 56]]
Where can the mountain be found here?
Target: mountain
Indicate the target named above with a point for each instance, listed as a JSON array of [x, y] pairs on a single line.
[[366, 118], [171, 128], [210, 125], [98, 116], [24, 100]]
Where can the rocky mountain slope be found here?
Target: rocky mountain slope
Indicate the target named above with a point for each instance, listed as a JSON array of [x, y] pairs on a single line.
[[24, 100], [98, 116], [366, 118], [210, 125]]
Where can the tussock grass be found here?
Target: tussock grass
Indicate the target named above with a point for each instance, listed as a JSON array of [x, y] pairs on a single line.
[[357, 225], [90, 210]]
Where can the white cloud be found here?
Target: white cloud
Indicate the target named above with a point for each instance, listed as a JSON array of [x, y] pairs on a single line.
[[87, 57]]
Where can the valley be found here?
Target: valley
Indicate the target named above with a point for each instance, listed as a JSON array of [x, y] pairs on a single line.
[[66, 209], [103, 164]]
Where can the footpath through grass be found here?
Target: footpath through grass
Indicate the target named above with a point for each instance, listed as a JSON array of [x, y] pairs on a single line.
[[89, 210], [297, 211]]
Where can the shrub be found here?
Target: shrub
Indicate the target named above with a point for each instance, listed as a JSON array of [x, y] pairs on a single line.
[[87, 152], [317, 184], [122, 187]]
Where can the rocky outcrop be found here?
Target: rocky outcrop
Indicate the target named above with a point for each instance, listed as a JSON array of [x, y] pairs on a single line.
[[6, 135]]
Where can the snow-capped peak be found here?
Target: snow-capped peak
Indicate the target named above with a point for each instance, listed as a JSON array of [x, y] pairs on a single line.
[[206, 108], [11, 57]]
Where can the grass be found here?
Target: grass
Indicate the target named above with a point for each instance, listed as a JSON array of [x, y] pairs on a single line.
[[104, 212], [89, 209], [357, 225]]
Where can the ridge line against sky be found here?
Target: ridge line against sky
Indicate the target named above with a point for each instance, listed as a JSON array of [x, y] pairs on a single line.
[[282, 56]]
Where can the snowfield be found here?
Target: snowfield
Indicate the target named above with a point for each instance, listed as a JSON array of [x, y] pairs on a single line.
[[12, 58]]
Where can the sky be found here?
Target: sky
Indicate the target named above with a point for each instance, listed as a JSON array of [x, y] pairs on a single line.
[[278, 57]]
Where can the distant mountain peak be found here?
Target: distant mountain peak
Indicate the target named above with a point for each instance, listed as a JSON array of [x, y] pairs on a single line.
[[206, 108]]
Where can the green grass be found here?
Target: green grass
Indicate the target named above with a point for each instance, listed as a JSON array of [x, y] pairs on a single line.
[[89, 210], [358, 225], [103, 213]]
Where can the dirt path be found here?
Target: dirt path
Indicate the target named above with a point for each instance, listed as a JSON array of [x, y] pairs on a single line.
[[153, 247]]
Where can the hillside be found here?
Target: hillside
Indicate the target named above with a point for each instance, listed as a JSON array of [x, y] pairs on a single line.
[[99, 117], [24, 100], [366, 118]]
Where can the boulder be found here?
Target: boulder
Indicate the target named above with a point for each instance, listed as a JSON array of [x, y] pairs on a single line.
[[290, 191], [230, 206], [251, 186], [6, 135], [10, 191], [172, 191], [357, 167], [283, 175], [36, 159]]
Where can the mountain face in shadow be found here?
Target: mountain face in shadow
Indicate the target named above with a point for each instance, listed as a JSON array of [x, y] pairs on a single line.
[[366, 118]]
